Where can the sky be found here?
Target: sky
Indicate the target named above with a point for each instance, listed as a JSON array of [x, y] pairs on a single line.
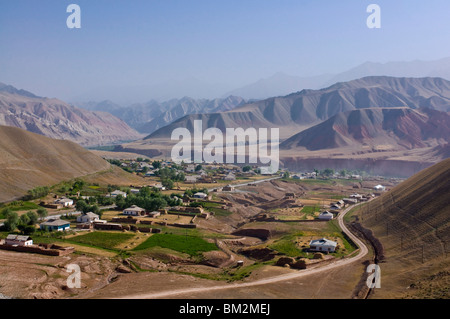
[[224, 44]]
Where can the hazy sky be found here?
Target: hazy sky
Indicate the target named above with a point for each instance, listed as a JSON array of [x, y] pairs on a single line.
[[231, 43]]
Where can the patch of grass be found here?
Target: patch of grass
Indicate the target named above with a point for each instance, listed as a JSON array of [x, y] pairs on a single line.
[[191, 245], [107, 240], [287, 246], [310, 209], [220, 212], [229, 275], [19, 206]]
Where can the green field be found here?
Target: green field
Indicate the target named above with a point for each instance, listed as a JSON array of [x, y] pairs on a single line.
[[216, 209], [287, 246], [20, 206], [190, 245], [101, 239]]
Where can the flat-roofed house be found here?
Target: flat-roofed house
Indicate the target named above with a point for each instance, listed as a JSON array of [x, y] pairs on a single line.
[[323, 245]]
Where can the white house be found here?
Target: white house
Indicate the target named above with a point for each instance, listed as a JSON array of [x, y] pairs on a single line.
[[230, 177], [322, 245], [159, 186], [356, 196], [191, 179], [228, 188], [66, 202], [200, 195], [335, 207], [326, 215], [87, 218], [134, 211], [18, 240], [379, 188], [117, 193]]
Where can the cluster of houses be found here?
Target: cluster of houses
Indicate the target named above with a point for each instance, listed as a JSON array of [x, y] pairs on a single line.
[[311, 175], [58, 203]]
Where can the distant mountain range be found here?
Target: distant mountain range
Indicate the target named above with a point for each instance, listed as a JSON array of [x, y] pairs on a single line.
[[298, 111], [57, 119], [383, 125], [282, 84], [148, 117], [279, 84]]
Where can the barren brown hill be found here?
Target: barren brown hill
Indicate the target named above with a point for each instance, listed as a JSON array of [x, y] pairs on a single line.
[[412, 221], [28, 160], [377, 128], [57, 119]]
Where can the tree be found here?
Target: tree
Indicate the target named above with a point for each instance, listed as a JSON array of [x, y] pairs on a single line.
[[37, 192], [167, 183], [24, 220], [156, 164], [78, 185], [12, 220], [42, 212], [328, 172], [29, 230], [286, 174], [198, 168], [33, 218], [81, 205], [246, 168]]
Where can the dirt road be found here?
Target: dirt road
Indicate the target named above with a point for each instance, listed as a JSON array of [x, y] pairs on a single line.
[[362, 251]]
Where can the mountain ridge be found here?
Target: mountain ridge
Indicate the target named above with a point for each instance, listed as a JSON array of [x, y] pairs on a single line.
[[300, 110], [57, 119], [377, 128]]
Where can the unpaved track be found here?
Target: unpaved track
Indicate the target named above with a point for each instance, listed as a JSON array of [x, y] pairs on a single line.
[[362, 251]]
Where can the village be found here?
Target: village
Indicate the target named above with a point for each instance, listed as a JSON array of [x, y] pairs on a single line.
[[219, 222]]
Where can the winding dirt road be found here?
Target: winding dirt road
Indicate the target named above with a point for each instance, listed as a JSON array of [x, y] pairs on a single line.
[[362, 251]]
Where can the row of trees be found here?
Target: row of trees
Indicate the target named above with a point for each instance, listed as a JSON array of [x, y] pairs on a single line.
[[169, 176], [37, 192], [26, 223], [148, 199]]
